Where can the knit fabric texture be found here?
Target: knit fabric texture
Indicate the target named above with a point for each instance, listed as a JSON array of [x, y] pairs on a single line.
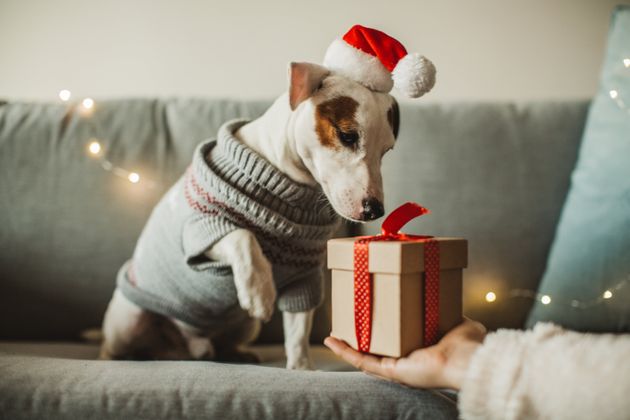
[[228, 186], [547, 373]]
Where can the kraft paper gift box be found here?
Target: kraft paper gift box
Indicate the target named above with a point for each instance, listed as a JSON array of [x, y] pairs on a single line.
[[400, 314]]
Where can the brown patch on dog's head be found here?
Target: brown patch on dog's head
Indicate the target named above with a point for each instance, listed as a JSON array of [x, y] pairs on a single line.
[[393, 116], [334, 116]]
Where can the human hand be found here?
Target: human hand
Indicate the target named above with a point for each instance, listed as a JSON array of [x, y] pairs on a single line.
[[442, 365]]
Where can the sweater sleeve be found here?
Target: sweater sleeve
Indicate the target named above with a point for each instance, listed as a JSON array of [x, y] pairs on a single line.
[[199, 233], [304, 293], [548, 373]]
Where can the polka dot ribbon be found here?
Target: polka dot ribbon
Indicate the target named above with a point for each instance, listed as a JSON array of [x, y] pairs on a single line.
[[363, 280]]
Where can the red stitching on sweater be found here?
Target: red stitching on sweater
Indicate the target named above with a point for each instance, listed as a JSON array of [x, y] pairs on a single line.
[[195, 205], [300, 255], [279, 258], [300, 258]]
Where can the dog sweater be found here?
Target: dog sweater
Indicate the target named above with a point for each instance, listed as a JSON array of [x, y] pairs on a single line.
[[228, 186]]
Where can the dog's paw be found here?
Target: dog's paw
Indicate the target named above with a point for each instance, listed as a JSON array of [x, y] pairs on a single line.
[[259, 309], [300, 363], [258, 296], [201, 348]]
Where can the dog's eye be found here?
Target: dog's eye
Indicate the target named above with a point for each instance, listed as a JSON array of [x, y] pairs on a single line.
[[348, 138]]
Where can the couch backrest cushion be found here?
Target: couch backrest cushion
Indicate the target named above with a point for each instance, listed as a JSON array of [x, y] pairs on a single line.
[[588, 272], [496, 174], [67, 224]]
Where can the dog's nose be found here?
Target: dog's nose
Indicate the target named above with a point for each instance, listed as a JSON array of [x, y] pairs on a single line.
[[372, 209]]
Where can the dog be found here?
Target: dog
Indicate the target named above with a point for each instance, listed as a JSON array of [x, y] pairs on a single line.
[[329, 133]]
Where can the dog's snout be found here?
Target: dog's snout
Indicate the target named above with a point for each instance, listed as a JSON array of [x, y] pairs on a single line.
[[372, 209]]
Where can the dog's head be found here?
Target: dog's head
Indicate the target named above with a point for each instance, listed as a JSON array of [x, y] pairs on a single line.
[[342, 130]]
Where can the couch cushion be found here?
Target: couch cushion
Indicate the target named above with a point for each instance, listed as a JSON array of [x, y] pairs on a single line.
[[271, 355], [591, 251], [50, 383], [66, 225], [496, 174]]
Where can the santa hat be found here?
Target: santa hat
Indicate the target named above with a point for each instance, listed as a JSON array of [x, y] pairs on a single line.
[[379, 62]]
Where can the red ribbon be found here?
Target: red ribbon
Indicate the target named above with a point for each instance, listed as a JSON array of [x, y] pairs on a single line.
[[363, 281]]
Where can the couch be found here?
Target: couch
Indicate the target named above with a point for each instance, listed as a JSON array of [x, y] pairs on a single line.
[[494, 173]]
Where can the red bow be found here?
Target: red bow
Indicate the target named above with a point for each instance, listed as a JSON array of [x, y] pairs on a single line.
[[363, 282]]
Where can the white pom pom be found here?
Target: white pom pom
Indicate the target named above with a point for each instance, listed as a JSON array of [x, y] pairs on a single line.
[[414, 75]]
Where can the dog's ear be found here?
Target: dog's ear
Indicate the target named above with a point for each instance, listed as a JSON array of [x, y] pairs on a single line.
[[304, 79], [393, 116]]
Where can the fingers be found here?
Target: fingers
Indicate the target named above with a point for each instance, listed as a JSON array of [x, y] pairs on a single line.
[[383, 367], [440, 365]]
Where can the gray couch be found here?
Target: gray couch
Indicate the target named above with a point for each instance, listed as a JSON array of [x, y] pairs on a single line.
[[495, 173]]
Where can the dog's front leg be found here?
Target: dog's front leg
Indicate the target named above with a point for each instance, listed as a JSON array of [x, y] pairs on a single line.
[[253, 277], [297, 330]]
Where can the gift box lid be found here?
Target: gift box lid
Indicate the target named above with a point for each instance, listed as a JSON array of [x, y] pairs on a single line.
[[397, 257]]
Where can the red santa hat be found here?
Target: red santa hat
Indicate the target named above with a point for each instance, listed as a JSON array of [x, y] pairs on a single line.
[[379, 62]]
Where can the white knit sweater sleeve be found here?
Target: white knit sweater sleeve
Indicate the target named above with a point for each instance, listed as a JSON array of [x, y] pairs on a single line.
[[548, 373]]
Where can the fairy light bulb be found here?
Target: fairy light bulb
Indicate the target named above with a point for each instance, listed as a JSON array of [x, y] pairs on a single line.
[[134, 178], [613, 94], [607, 294], [545, 299], [491, 297], [88, 103], [626, 62], [94, 148], [65, 95]]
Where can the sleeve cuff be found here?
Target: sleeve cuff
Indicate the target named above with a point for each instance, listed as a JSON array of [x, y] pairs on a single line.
[[304, 293], [490, 388], [198, 235]]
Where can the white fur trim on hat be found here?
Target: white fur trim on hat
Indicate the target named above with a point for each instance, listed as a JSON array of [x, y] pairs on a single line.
[[358, 66], [414, 75]]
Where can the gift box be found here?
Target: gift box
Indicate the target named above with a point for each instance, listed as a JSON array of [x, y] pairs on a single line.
[[394, 293]]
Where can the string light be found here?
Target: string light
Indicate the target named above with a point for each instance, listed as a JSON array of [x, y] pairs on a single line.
[[96, 150], [614, 93], [87, 107], [65, 95], [88, 103], [94, 147], [547, 299], [133, 177]]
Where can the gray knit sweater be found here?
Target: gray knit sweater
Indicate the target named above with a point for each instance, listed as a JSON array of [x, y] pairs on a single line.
[[232, 187]]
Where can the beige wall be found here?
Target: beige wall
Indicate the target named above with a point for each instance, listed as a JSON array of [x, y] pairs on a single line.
[[486, 49]]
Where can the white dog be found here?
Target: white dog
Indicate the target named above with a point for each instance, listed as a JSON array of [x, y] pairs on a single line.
[[330, 131]]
